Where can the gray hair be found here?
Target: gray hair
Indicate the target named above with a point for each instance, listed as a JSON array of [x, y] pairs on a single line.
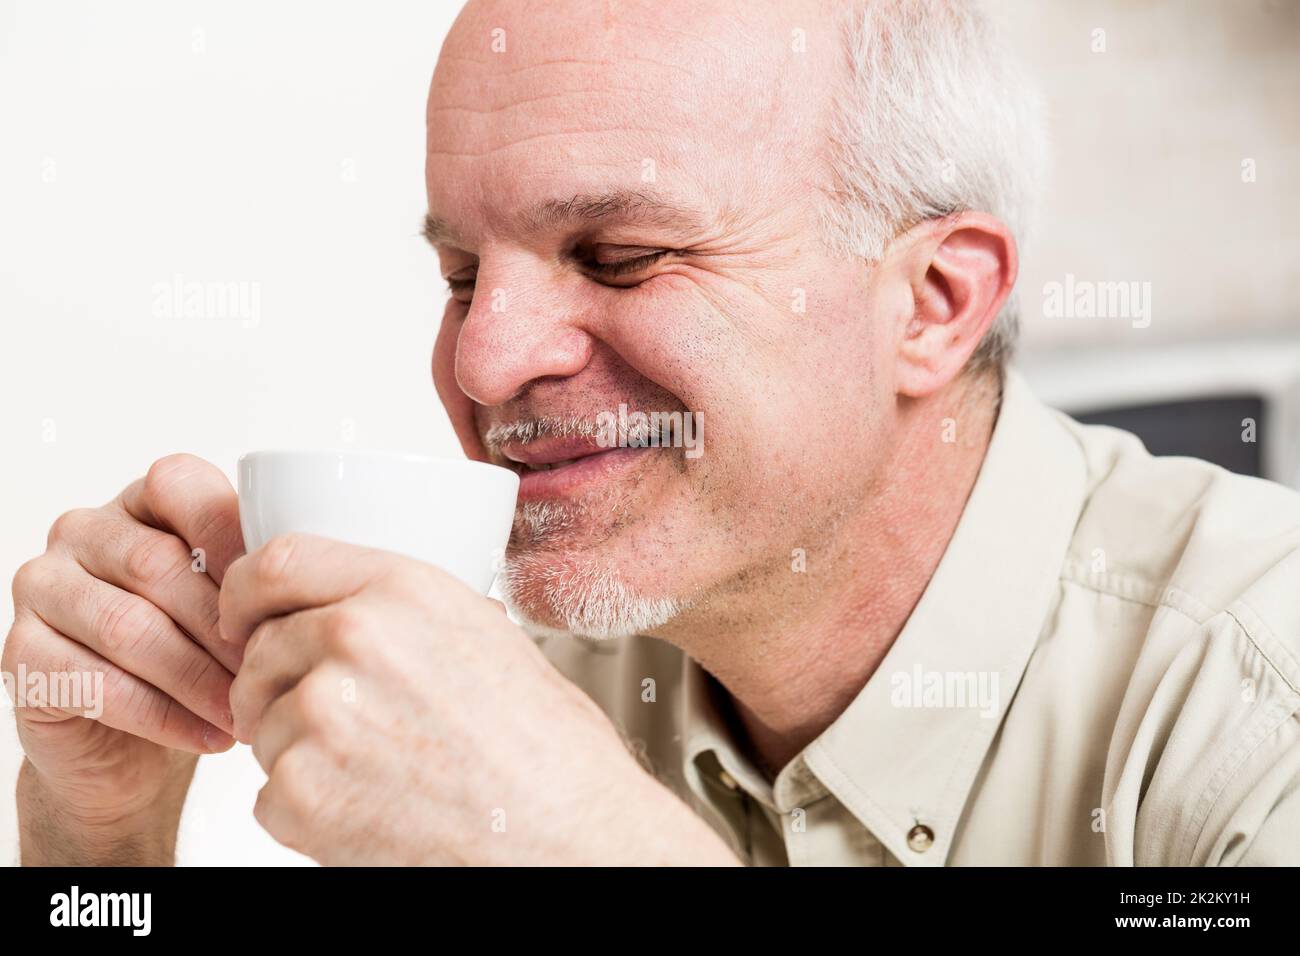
[[935, 120]]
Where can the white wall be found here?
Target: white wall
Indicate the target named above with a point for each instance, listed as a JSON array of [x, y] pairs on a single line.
[[1148, 140], [280, 146]]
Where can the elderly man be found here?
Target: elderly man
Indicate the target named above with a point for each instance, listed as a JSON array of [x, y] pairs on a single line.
[[894, 612]]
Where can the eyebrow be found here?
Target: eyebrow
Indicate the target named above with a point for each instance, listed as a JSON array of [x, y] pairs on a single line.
[[626, 205]]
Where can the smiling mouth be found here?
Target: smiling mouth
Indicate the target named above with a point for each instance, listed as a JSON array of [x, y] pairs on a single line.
[[548, 466], [564, 466]]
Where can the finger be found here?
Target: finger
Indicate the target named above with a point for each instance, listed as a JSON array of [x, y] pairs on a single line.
[[296, 715], [279, 727], [280, 653], [194, 500], [130, 632], [293, 800], [153, 564], [291, 573], [113, 697]]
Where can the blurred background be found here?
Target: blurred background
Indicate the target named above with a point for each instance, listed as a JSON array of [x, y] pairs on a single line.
[[271, 157]]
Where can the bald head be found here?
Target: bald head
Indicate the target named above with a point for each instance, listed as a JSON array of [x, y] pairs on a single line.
[[727, 99]]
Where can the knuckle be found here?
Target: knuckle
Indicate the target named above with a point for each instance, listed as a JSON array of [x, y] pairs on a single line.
[[415, 580], [317, 702], [272, 817], [345, 628], [155, 559], [263, 815], [164, 473], [162, 712], [274, 560], [124, 695], [215, 520], [69, 526], [197, 672], [256, 646], [210, 622], [28, 580], [17, 648], [295, 783], [125, 622]]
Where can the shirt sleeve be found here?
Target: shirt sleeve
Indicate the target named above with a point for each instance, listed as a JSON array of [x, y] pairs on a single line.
[[1209, 774], [1277, 842]]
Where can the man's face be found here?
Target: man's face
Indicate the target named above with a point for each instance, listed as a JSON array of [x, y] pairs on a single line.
[[626, 199]]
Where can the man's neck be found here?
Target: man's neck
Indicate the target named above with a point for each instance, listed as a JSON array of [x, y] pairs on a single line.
[[792, 668]]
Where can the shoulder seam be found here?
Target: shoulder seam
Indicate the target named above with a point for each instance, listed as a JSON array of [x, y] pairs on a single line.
[[1135, 590], [1140, 591], [1284, 673]]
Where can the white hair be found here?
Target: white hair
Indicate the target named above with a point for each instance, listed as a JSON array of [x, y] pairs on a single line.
[[935, 119], [590, 601]]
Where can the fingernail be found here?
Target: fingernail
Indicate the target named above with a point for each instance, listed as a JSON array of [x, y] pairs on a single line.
[[216, 740]]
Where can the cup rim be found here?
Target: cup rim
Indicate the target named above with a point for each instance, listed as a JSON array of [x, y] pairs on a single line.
[[417, 458]]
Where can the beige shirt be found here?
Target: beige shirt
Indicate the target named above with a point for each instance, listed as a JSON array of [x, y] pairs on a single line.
[[1103, 670]]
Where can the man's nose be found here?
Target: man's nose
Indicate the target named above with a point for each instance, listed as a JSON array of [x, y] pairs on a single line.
[[520, 327]]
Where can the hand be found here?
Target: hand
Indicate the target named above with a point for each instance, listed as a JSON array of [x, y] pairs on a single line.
[[120, 596], [403, 719]]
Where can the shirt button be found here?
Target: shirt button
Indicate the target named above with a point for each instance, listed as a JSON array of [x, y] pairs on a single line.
[[728, 780], [920, 838]]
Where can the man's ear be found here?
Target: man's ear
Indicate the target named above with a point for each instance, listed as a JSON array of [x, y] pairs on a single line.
[[960, 270]]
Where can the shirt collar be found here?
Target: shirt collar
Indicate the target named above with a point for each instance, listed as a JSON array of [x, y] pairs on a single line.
[[707, 729], [897, 766]]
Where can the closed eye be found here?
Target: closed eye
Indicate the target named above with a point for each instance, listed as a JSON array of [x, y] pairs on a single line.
[[624, 267], [461, 285], [590, 264]]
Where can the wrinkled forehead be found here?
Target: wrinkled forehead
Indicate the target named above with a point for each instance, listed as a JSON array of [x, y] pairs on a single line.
[[532, 100]]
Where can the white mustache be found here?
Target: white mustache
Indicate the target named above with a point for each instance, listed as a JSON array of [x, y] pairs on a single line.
[[524, 430]]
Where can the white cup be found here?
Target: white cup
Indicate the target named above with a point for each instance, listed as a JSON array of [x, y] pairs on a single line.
[[453, 514]]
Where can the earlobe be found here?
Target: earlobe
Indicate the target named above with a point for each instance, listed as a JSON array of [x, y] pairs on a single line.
[[962, 271]]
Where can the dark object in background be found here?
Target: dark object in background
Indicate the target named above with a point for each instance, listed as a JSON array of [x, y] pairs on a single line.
[[1235, 402], [1209, 428]]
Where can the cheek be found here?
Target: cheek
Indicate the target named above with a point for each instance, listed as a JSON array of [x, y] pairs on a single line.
[[722, 352], [799, 397], [676, 333]]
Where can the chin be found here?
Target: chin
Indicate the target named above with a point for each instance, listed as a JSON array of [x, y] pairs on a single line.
[[554, 594]]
